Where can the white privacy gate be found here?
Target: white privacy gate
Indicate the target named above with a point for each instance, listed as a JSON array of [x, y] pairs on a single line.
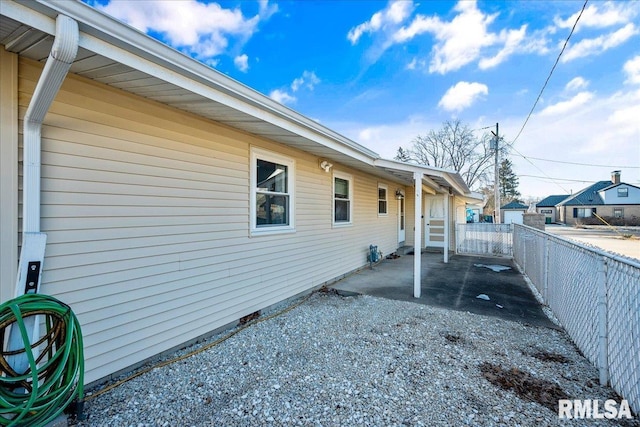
[[484, 239], [595, 295]]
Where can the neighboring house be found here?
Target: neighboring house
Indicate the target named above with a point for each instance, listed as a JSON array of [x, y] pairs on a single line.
[[513, 212], [175, 200], [547, 206], [607, 199], [474, 207]]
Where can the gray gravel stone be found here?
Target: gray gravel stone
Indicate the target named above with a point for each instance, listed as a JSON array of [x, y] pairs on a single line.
[[336, 361]]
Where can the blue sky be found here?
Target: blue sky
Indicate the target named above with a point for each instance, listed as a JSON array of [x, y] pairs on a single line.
[[382, 73]]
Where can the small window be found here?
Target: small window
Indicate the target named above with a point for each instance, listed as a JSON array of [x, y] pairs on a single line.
[[342, 199], [623, 192], [271, 192], [382, 200], [618, 213]]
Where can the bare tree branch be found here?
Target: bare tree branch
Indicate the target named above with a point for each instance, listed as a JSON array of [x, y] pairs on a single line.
[[454, 147]]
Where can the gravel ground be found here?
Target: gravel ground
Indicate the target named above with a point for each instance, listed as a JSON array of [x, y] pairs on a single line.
[[344, 361]]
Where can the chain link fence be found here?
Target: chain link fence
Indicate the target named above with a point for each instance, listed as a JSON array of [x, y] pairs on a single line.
[[484, 239], [596, 297]]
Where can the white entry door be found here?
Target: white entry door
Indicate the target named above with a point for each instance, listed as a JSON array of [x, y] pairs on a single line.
[[402, 235], [434, 221]]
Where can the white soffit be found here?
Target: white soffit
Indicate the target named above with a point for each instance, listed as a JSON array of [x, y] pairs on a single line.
[[119, 56], [101, 60]]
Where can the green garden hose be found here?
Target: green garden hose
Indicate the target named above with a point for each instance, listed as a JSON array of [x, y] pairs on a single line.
[[55, 377]]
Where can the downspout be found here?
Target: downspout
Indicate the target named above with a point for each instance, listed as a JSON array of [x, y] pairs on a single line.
[[63, 53]]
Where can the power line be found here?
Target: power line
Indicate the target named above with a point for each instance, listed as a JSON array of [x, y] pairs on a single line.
[[550, 73], [580, 164], [556, 179], [512, 143]]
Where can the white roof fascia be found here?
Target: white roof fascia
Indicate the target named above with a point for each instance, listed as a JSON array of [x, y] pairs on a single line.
[[453, 178], [103, 35], [474, 197]]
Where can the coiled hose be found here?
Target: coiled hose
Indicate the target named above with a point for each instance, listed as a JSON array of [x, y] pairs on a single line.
[[55, 377]]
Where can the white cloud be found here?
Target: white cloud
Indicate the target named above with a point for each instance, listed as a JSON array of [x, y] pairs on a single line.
[[603, 130], [385, 138], [395, 13], [308, 79], [576, 83], [282, 97], [601, 15], [586, 132], [564, 107], [512, 40], [416, 64], [267, 9], [241, 62], [595, 46], [201, 30], [462, 95], [625, 118], [632, 69], [459, 42]]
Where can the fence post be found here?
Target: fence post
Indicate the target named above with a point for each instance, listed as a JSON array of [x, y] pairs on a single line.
[[524, 254], [545, 285], [603, 338]]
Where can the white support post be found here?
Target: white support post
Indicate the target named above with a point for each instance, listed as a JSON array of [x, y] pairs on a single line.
[[446, 228], [603, 339], [417, 246]]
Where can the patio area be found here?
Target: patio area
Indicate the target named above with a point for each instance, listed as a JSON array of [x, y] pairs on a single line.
[[455, 285]]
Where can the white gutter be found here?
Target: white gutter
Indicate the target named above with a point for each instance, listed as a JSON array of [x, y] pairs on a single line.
[[63, 53], [104, 35], [453, 178]]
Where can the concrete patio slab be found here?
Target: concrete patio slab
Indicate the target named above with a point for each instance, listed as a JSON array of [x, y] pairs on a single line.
[[455, 285]]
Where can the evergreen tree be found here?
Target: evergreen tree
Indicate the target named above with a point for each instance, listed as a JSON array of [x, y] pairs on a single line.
[[402, 155], [508, 182]]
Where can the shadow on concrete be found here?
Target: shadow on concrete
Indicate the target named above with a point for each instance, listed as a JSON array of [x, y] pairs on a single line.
[[454, 286]]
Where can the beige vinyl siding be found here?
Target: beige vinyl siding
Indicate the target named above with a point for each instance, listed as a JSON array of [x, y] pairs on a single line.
[[8, 173], [147, 215]]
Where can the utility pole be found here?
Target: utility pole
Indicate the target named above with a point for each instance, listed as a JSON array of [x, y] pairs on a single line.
[[496, 186]]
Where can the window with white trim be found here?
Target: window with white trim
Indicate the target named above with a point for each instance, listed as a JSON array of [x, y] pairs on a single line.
[[623, 192], [583, 212], [272, 182], [382, 199], [342, 199], [618, 212]]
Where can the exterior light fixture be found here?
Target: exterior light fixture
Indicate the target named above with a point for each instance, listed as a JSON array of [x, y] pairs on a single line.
[[326, 166]]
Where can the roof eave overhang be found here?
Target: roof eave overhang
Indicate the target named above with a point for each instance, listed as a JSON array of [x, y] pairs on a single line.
[[453, 179], [103, 35]]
